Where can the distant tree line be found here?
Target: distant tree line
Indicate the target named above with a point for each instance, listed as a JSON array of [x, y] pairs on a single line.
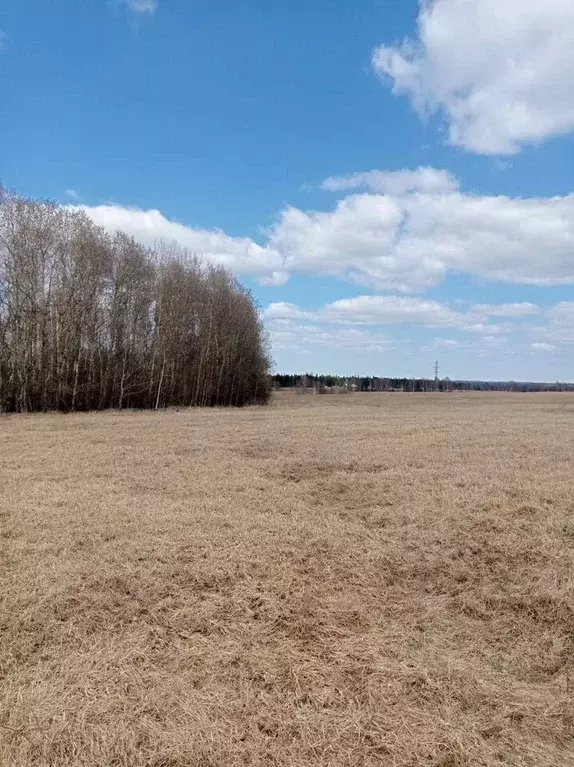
[[375, 383], [91, 321]]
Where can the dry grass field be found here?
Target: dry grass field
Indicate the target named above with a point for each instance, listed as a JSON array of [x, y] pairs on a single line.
[[332, 581]]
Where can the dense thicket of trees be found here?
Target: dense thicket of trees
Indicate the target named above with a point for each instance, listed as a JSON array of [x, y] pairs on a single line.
[[93, 321], [375, 383]]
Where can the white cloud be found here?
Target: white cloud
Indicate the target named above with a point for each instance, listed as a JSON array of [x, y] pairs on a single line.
[[411, 241], [358, 240], [72, 194], [404, 241], [351, 340], [285, 311], [429, 180], [142, 6], [499, 70], [393, 310]]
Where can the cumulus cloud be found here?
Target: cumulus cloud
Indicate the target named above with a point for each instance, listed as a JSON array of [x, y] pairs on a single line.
[[391, 310], [358, 240], [500, 71], [409, 238], [397, 310], [410, 241]]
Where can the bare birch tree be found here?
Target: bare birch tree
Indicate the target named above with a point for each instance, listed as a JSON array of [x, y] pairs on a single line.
[[91, 321]]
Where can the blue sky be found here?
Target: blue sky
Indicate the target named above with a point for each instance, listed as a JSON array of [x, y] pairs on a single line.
[[392, 180]]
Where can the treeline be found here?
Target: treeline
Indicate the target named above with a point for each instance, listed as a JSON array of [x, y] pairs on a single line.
[[91, 321], [374, 383]]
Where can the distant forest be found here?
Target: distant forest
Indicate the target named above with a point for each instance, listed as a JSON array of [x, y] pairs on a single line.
[[91, 321], [326, 383]]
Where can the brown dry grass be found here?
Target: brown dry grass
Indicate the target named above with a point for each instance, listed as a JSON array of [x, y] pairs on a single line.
[[359, 580]]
